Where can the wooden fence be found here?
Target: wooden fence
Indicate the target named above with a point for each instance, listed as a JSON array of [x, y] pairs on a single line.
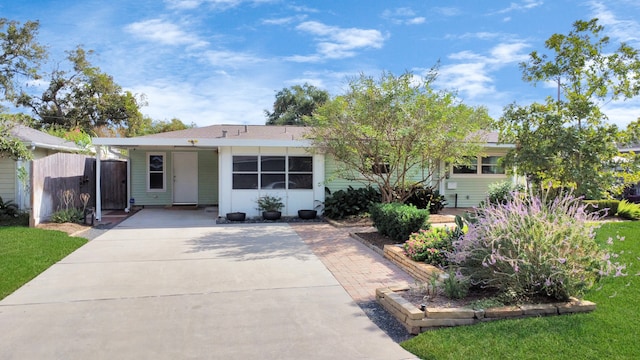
[[74, 174]]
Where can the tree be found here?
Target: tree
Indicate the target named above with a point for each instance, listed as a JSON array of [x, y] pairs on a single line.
[[293, 104], [394, 134], [20, 54], [568, 140], [10, 145], [161, 126], [85, 98]]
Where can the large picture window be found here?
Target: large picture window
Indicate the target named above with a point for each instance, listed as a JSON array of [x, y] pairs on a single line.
[[156, 172], [272, 172], [486, 165]]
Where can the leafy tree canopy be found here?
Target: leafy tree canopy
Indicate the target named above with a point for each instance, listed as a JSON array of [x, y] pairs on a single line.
[[568, 140], [294, 104], [85, 98], [10, 145], [395, 132], [20, 54]]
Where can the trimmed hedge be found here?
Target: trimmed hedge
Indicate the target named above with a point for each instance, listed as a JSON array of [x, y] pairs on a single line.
[[398, 221], [600, 205]]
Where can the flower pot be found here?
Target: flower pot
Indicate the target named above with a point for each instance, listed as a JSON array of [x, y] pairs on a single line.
[[236, 216], [271, 215], [307, 214]]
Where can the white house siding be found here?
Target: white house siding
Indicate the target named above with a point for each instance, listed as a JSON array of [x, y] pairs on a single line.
[[7, 179], [244, 200]]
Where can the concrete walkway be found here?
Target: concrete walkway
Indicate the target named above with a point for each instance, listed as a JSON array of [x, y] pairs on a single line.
[[173, 285]]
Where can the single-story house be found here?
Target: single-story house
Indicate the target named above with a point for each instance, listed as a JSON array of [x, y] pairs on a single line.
[[233, 165], [15, 182]]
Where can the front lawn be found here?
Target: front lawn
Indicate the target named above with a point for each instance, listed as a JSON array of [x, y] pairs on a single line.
[[610, 332], [26, 252]]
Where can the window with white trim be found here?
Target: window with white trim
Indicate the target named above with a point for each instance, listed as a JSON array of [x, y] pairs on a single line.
[[485, 165], [272, 172], [156, 175]]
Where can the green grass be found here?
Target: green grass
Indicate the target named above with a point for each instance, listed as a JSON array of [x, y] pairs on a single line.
[[610, 332], [26, 252]]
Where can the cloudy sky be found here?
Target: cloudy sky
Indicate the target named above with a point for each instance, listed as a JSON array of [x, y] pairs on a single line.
[[222, 61]]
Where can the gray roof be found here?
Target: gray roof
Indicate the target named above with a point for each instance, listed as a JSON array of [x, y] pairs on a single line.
[[245, 132], [41, 139]]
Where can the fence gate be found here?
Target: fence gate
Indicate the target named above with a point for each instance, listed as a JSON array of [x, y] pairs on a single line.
[[113, 184]]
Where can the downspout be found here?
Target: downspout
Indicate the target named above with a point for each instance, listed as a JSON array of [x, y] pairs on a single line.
[[98, 180]]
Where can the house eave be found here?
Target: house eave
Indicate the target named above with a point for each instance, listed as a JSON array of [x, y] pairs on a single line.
[[197, 142]]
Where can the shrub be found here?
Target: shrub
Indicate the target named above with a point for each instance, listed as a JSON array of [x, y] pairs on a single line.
[[605, 207], [430, 245], [455, 285], [427, 198], [72, 215], [342, 204], [398, 221], [533, 246], [628, 210], [501, 192]]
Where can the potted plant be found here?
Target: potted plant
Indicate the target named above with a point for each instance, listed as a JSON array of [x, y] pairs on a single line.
[[236, 216], [307, 214], [270, 207]]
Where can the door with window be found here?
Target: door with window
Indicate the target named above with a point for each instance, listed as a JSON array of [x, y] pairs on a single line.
[[185, 177]]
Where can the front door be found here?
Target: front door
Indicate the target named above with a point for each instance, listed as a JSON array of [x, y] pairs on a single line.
[[185, 177]]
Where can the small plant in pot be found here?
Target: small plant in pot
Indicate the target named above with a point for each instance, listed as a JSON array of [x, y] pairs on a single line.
[[270, 207]]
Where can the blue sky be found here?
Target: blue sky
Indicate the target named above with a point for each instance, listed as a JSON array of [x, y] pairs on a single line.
[[222, 61]]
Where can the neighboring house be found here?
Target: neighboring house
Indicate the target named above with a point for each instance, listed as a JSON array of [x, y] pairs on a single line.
[[233, 165], [15, 183]]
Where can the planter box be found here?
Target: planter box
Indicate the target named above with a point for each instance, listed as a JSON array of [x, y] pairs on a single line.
[[417, 321], [271, 215]]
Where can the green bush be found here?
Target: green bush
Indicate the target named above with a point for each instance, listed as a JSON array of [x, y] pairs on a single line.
[[430, 245], [533, 246], [427, 198], [71, 215], [605, 207], [350, 202], [398, 221], [501, 192], [628, 210], [455, 285]]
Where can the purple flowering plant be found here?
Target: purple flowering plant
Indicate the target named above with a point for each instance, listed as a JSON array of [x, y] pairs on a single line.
[[534, 245]]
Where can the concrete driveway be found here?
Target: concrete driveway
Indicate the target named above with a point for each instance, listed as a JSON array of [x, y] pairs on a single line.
[[170, 284]]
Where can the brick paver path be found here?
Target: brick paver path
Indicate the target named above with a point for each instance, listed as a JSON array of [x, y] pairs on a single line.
[[359, 269]]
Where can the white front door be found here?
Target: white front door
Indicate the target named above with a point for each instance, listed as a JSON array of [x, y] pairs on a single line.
[[185, 177]]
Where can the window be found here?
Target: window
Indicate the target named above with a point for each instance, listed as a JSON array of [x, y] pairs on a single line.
[[156, 172], [300, 172], [486, 165], [273, 172], [491, 165], [245, 172], [469, 167]]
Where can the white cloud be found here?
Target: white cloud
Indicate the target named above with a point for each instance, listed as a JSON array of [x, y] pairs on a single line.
[[523, 6], [623, 30], [163, 32], [336, 43], [226, 58], [403, 15], [216, 4], [284, 20], [447, 11]]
